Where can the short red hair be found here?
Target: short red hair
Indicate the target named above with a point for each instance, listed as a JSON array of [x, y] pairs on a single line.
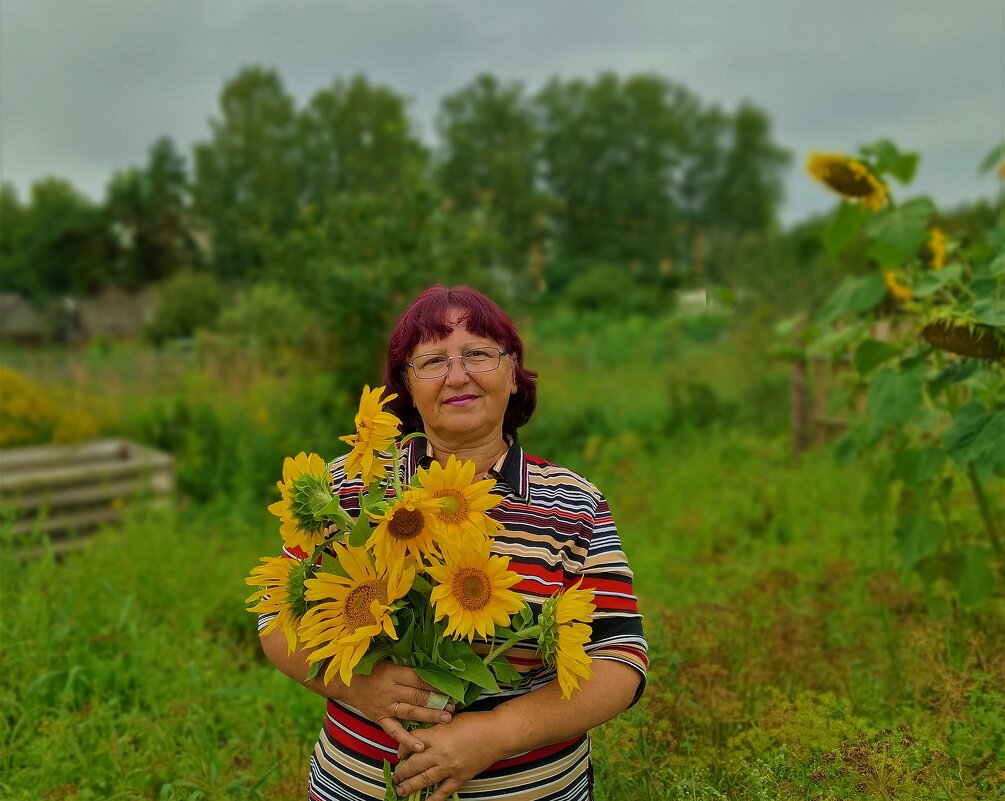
[[426, 320]]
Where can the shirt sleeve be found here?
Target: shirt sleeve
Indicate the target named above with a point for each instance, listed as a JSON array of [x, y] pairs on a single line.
[[617, 625]]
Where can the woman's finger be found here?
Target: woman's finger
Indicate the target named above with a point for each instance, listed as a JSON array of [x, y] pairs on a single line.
[[446, 789], [422, 714], [394, 728], [416, 781]]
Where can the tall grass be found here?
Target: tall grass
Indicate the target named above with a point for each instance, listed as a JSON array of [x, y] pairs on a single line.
[[789, 660]]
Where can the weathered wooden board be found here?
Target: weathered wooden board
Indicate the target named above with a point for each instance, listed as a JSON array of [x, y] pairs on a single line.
[[66, 491]]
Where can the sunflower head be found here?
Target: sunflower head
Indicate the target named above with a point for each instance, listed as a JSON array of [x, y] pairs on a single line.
[[351, 610], [473, 589], [280, 584], [305, 489], [464, 503], [934, 250], [408, 528], [850, 178], [898, 291], [565, 630], [375, 431]]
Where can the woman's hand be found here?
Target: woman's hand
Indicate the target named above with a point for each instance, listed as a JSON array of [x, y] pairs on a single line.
[[450, 756], [391, 694]]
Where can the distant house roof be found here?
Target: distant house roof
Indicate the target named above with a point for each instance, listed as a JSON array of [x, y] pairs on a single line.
[[19, 319], [115, 313]]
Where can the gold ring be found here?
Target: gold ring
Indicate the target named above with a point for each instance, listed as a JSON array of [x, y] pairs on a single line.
[[395, 713]]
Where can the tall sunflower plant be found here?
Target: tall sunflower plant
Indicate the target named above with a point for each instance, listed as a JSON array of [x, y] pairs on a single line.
[[920, 333], [412, 578]]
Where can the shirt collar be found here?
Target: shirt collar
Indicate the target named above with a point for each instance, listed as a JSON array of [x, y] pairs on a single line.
[[510, 470]]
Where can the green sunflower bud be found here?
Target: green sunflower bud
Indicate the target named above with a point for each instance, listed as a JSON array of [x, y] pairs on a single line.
[[299, 573], [310, 494], [547, 640]]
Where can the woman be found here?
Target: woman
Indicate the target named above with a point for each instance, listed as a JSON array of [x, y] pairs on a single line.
[[456, 362]]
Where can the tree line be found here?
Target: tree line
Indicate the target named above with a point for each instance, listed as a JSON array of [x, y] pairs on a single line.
[[341, 195]]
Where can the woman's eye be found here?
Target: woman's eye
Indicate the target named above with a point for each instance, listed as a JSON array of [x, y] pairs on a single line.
[[477, 355]]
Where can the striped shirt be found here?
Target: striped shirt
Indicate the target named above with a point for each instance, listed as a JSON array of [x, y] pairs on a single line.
[[557, 530]]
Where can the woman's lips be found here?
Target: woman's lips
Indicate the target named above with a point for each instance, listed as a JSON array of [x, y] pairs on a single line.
[[460, 400]]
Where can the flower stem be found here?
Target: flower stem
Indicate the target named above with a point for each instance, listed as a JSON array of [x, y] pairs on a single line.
[[509, 642], [396, 456], [985, 508]]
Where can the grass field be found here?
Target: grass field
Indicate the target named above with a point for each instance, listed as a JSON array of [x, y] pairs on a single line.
[[790, 660]]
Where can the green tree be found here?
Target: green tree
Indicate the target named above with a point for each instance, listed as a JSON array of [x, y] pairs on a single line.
[[148, 210], [248, 176], [487, 162], [60, 244], [357, 137]]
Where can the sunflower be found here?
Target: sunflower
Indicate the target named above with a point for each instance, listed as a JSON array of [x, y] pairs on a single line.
[[353, 609], [896, 289], [565, 631], [408, 527], [281, 592], [935, 248], [305, 489], [464, 503], [473, 589], [375, 431], [848, 177]]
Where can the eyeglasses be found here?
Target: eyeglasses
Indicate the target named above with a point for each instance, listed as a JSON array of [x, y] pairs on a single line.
[[476, 360]]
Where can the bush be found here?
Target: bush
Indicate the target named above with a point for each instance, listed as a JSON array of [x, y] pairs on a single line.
[[30, 414], [272, 316], [185, 303], [614, 289]]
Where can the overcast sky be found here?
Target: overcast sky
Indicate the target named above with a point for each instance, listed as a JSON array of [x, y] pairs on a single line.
[[87, 85]]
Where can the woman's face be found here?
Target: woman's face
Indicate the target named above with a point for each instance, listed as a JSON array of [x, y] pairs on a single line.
[[462, 407]]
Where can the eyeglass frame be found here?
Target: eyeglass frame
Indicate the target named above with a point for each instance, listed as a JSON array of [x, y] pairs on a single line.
[[463, 365]]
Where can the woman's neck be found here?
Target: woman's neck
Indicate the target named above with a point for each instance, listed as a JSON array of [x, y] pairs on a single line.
[[483, 454]]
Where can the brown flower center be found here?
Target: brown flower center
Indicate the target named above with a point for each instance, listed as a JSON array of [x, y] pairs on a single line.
[[471, 588], [849, 181], [357, 604], [455, 507], [405, 524]]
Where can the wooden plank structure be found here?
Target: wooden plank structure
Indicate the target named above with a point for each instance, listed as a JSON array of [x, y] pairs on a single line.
[[66, 491]]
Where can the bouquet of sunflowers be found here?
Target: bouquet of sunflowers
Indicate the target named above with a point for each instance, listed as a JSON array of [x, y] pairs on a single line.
[[412, 578]]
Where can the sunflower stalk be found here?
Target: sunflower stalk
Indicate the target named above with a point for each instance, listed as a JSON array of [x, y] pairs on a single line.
[[510, 641]]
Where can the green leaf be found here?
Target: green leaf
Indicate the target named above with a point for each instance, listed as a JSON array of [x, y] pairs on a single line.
[[918, 465], [932, 281], [861, 436], [471, 695], [331, 509], [917, 539], [953, 374], [476, 672], [872, 353], [360, 532], [314, 668], [842, 227], [443, 680], [974, 579], [973, 433], [993, 158], [853, 295], [370, 660], [898, 233], [895, 397], [329, 564], [997, 267], [990, 311], [887, 158], [504, 670], [390, 792]]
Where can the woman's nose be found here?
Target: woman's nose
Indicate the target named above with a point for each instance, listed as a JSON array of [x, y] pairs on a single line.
[[456, 374]]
